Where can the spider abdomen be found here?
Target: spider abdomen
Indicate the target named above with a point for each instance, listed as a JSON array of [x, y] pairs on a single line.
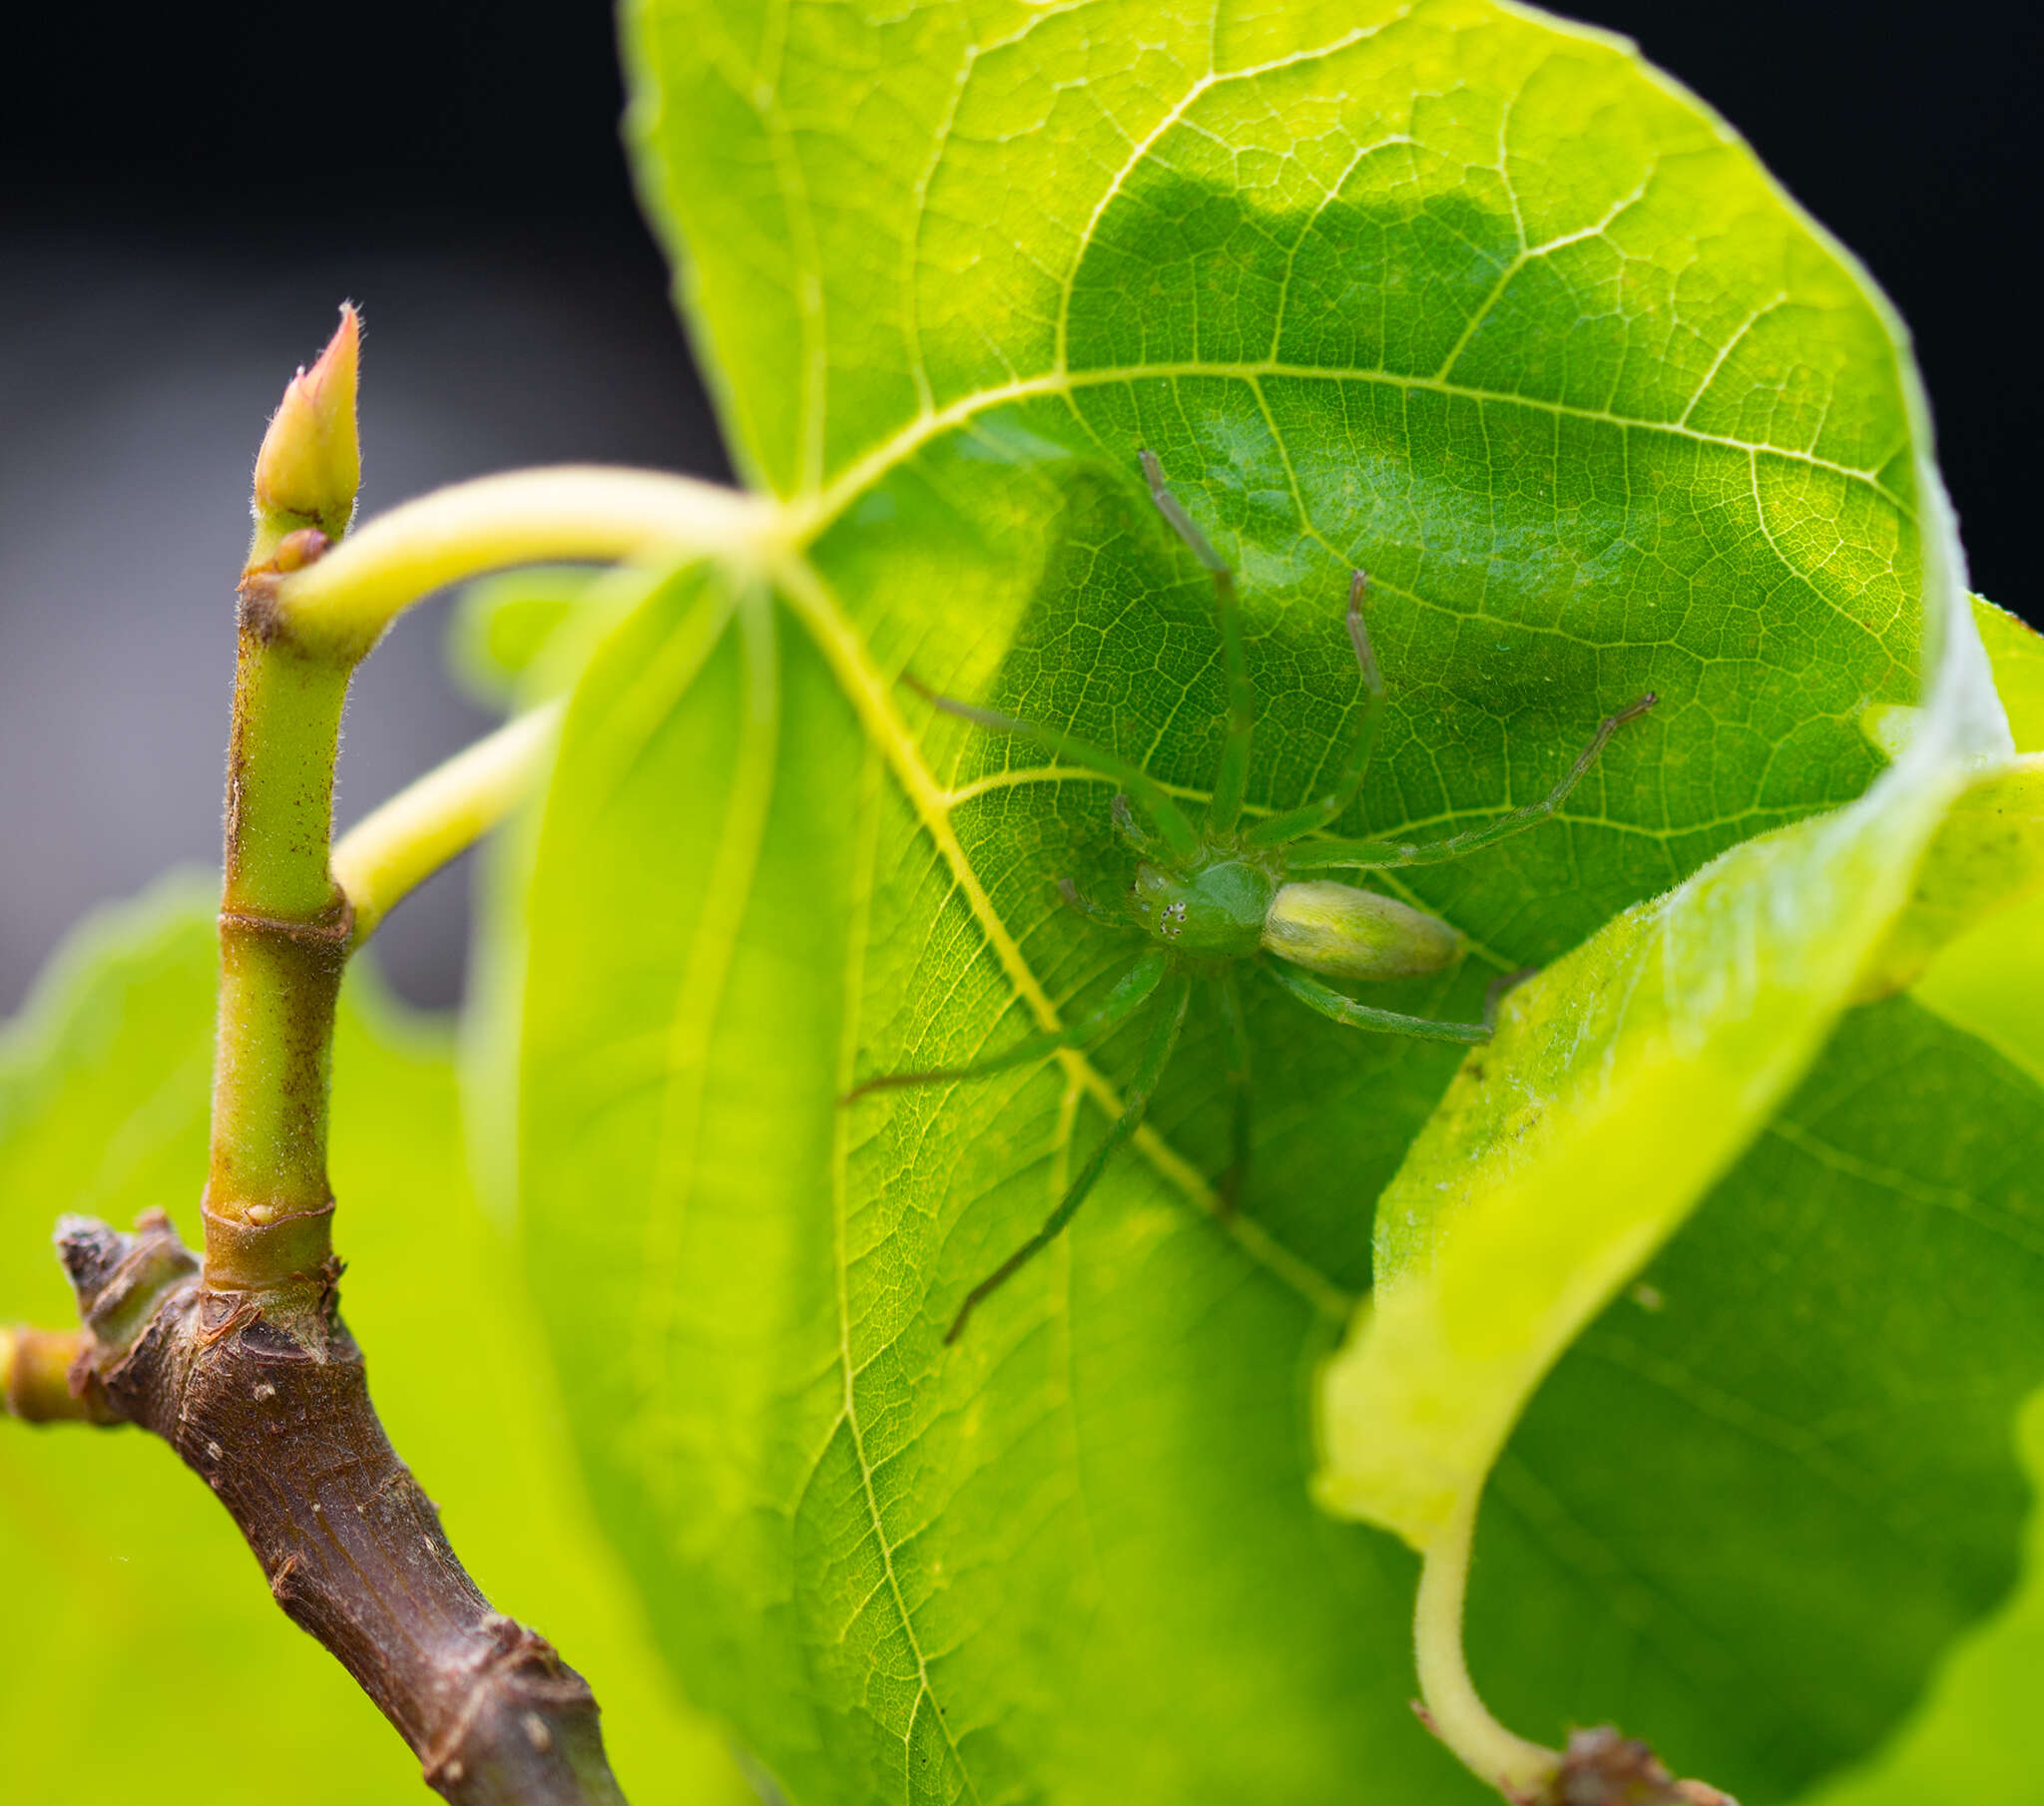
[[1350, 933]]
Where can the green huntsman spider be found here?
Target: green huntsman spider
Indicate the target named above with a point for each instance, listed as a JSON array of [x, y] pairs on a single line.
[[1211, 898]]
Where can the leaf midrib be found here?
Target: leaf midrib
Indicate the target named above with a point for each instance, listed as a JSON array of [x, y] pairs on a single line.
[[810, 513], [818, 606]]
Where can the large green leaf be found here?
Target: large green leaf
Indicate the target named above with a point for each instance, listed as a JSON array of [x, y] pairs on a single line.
[[1990, 980], [1759, 1496], [1977, 1736], [1449, 292], [144, 1657], [1629, 1075]]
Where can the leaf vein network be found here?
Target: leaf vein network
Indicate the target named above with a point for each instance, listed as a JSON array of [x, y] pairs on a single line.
[[821, 613], [1140, 148], [1530, 253], [1607, 1576], [1329, 193], [815, 511], [857, 936], [1888, 1178]]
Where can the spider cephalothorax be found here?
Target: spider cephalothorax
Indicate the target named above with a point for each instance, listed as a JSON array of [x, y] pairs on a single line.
[[1214, 897]]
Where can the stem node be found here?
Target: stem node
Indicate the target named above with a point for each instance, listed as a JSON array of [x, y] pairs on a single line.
[[352, 1549], [242, 1363]]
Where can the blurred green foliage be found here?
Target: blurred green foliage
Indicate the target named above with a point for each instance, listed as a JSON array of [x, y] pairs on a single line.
[[145, 1658]]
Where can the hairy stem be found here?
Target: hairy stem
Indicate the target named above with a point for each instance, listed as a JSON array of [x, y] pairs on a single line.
[[1600, 1767], [1454, 1711], [285, 927], [242, 1363], [382, 858]]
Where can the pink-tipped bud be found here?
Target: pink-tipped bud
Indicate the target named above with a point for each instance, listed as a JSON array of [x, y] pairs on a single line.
[[312, 462]]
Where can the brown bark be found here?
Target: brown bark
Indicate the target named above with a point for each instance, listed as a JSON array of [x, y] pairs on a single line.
[[262, 1390], [1603, 1768]]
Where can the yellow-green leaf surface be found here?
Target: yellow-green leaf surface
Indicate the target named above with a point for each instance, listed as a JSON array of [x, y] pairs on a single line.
[[2017, 655], [1629, 1075], [1448, 291], [1990, 979], [1988, 856], [1624, 1080], [145, 1658], [1769, 1488], [1989, 853], [1977, 1734], [1991, 982]]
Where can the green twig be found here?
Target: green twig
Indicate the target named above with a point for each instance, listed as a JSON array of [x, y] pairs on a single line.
[[242, 1363], [35, 1379], [285, 928]]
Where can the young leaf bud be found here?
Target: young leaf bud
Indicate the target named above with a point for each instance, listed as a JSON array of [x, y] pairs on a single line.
[[1350, 933], [310, 463]]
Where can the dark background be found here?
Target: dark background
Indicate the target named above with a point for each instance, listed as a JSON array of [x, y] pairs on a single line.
[[187, 190]]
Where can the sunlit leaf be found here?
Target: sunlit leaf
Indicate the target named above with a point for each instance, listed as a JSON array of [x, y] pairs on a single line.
[[1763, 1492], [1469, 299], [503, 624], [1624, 1082]]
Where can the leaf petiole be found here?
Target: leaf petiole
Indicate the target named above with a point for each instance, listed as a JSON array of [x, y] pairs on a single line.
[[338, 609], [1448, 1701], [396, 847]]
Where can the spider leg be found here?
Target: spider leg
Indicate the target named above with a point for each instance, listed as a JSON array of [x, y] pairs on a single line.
[[1156, 1057], [1350, 1014], [1131, 831], [1240, 1089], [1120, 1003], [1312, 816], [1084, 906], [1230, 780], [1172, 822], [1385, 854]]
